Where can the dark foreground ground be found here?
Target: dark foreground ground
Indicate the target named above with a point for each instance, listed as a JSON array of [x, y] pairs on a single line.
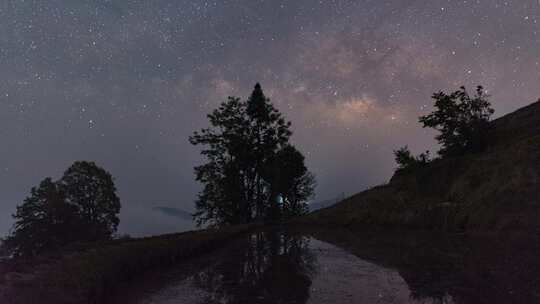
[[86, 273], [308, 265]]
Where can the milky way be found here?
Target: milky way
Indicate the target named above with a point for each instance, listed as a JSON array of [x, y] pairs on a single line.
[[124, 83]]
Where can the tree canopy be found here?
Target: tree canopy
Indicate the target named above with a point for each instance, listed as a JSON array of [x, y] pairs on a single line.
[[252, 171], [462, 121], [44, 220], [81, 206], [91, 188]]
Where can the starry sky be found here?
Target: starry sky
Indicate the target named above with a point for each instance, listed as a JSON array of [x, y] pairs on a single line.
[[125, 82]]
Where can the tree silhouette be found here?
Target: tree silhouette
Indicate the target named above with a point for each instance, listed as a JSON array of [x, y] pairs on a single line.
[[239, 177], [292, 183], [81, 206], [462, 121], [44, 221], [406, 160], [92, 190]]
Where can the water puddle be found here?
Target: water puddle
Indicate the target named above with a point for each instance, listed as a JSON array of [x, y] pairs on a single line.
[[278, 266]]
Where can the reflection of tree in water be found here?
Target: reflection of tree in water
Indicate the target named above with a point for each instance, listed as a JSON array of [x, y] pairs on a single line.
[[267, 267]]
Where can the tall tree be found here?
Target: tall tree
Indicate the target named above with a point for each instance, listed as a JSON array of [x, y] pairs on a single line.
[[243, 140], [268, 133], [224, 198], [461, 119]]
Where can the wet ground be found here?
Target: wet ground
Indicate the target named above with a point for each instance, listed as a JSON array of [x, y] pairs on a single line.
[[284, 266]]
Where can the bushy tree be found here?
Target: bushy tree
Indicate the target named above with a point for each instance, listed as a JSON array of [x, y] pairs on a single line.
[[461, 119], [82, 206], [292, 183], [91, 188], [241, 144], [406, 160], [44, 221]]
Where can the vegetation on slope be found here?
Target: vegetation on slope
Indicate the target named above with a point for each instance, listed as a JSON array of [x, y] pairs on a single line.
[[493, 190]]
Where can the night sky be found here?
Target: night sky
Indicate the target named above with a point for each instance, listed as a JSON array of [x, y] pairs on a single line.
[[124, 83]]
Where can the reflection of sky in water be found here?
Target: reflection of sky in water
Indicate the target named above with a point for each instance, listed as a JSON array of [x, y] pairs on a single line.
[[344, 278], [339, 277]]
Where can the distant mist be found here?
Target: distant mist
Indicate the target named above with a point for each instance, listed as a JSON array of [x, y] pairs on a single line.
[[175, 212], [140, 220]]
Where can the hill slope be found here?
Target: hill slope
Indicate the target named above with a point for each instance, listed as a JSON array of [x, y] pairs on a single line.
[[325, 204], [496, 190]]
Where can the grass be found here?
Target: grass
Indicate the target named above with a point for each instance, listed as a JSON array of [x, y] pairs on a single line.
[[88, 275]]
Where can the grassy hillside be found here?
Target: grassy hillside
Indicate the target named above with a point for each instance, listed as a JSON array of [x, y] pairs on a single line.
[[496, 190]]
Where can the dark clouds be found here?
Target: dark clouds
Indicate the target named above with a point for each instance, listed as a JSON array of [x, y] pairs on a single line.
[[124, 83]]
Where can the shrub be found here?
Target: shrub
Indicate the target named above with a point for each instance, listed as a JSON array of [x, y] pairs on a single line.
[[406, 160]]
